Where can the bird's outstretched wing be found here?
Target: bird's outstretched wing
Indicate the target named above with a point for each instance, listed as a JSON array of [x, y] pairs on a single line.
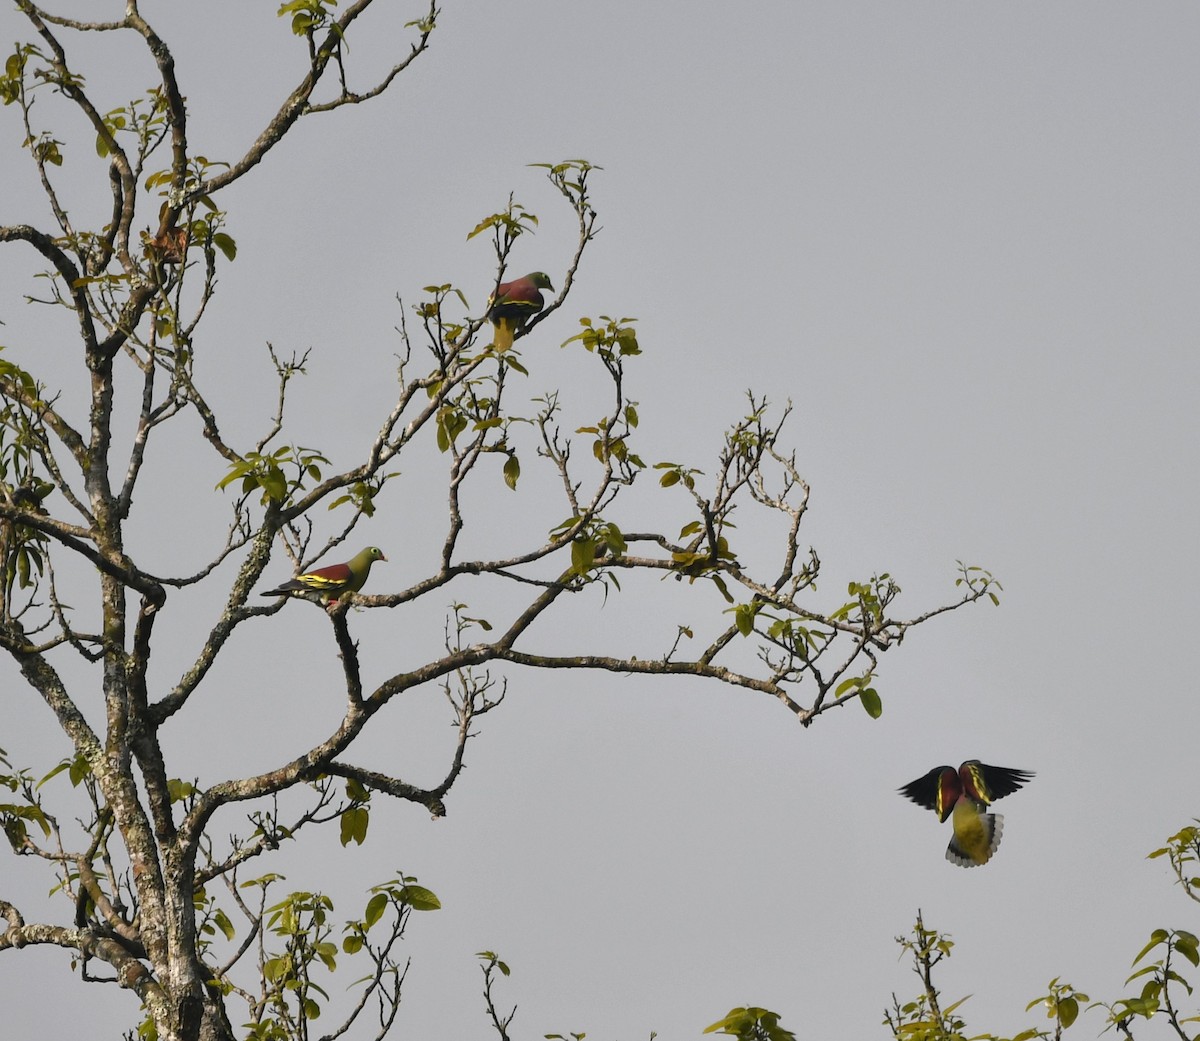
[[989, 783], [937, 790]]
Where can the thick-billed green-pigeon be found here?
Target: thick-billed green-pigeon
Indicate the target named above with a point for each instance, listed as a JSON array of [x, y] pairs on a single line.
[[965, 794], [334, 580], [514, 303]]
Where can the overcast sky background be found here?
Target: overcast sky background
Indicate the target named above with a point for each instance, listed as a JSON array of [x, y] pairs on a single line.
[[962, 239]]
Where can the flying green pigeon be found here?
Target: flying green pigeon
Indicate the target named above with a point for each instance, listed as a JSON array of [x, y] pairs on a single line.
[[966, 793], [514, 303], [334, 580]]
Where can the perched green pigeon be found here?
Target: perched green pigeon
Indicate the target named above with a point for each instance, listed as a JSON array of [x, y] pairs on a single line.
[[334, 580], [966, 793], [514, 303]]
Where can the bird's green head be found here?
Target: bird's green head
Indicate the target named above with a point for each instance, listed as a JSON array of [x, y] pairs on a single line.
[[540, 279], [367, 557]]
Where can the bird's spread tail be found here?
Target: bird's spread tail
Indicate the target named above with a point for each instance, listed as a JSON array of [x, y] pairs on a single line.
[[976, 844]]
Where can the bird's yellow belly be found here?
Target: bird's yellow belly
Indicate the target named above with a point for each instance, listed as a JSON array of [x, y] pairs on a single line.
[[974, 837]]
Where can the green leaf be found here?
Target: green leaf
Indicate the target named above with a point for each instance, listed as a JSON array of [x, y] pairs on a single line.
[[420, 899], [752, 1024], [327, 952], [179, 790], [354, 825], [80, 768], [262, 880], [225, 244], [512, 471], [224, 924], [583, 555], [1156, 937], [375, 908], [1068, 1011], [719, 582], [1136, 1007], [508, 224], [1186, 944], [870, 701], [602, 339], [843, 688], [450, 423], [273, 484], [64, 765]]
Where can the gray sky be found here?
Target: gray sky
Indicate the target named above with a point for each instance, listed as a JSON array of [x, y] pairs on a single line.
[[962, 239]]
